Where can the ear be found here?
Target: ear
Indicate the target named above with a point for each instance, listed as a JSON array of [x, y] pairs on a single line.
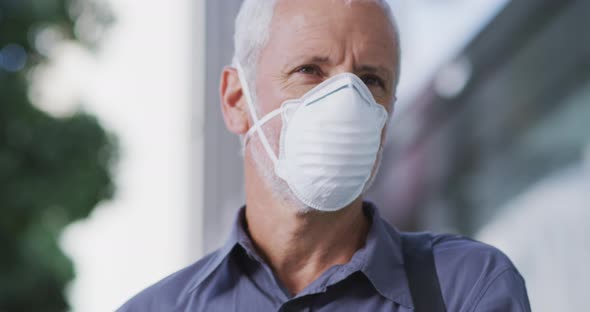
[[233, 102]]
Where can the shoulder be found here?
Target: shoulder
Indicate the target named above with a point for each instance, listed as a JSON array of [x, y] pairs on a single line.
[[456, 250], [472, 274], [171, 291]]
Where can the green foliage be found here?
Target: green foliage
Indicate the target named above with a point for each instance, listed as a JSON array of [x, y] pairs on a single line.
[[53, 171]]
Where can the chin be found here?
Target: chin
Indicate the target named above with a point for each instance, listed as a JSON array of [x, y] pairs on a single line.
[[287, 199]]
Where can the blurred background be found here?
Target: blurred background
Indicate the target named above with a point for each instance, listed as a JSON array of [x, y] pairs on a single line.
[[116, 169]]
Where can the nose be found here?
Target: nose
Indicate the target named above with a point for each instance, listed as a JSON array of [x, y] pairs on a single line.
[[343, 68]]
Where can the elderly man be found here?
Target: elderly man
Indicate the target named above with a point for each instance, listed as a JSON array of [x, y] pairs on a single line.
[[311, 89]]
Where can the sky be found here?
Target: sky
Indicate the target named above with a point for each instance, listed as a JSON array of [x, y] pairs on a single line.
[[139, 85]]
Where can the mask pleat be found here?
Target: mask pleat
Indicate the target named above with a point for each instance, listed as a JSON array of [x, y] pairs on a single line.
[[329, 148]]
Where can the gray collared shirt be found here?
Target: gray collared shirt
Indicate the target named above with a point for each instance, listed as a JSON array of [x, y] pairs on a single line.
[[473, 277]]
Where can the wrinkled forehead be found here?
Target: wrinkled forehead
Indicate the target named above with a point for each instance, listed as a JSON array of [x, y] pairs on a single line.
[[334, 27], [372, 12]]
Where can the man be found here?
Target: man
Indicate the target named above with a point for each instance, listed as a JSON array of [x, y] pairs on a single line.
[[312, 86]]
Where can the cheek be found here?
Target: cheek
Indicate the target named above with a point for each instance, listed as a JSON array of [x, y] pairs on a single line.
[[387, 103], [268, 93], [268, 101], [272, 129], [299, 84]]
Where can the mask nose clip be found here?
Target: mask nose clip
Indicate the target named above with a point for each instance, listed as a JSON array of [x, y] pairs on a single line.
[[355, 83], [326, 151]]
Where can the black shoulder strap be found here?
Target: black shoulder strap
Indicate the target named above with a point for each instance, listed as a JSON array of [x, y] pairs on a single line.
[[421, 272]]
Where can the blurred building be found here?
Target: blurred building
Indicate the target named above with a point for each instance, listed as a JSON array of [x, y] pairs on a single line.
[[495, 145], [222, 174], [509, 110]]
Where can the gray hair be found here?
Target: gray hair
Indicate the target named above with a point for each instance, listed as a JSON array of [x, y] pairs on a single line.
[[252, 30]]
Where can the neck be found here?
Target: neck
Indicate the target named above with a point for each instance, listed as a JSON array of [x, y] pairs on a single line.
[[298, 246]]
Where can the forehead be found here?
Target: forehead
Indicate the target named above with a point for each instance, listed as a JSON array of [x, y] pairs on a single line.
[[332, 26]]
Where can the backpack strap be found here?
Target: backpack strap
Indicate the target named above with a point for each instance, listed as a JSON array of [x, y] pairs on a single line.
[[421, 272]]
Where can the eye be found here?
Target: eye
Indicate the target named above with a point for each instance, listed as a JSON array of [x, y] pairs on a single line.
[[373, 81], [309, 70]]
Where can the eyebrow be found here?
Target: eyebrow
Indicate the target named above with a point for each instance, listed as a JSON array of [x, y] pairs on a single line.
[[364, 68], [375, 70], [289, 65], [320, 59], [313, 59]]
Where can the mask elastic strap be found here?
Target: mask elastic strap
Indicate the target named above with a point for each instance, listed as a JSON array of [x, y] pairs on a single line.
[[257, 127], [261, 122]]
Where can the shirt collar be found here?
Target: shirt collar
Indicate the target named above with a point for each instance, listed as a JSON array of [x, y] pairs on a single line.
[[381, 259], [237, 231], [384, 264]]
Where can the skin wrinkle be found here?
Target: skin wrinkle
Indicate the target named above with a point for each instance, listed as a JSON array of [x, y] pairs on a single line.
[[286, 81], [297, 242], [257, 153], [249, 41]]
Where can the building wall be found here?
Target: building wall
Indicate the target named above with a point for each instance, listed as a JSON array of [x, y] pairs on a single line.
[[473, 151], [223, 169]]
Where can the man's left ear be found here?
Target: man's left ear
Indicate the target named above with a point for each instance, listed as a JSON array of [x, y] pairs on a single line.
[[233, 102]]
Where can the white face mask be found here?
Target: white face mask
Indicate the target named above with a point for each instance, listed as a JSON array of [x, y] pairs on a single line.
[[329, 140]]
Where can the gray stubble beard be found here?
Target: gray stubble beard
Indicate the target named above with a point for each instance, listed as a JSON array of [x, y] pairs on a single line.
[[279, 187]]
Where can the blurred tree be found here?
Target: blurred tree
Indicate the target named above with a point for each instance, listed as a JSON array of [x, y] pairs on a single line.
[[53, 171]]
